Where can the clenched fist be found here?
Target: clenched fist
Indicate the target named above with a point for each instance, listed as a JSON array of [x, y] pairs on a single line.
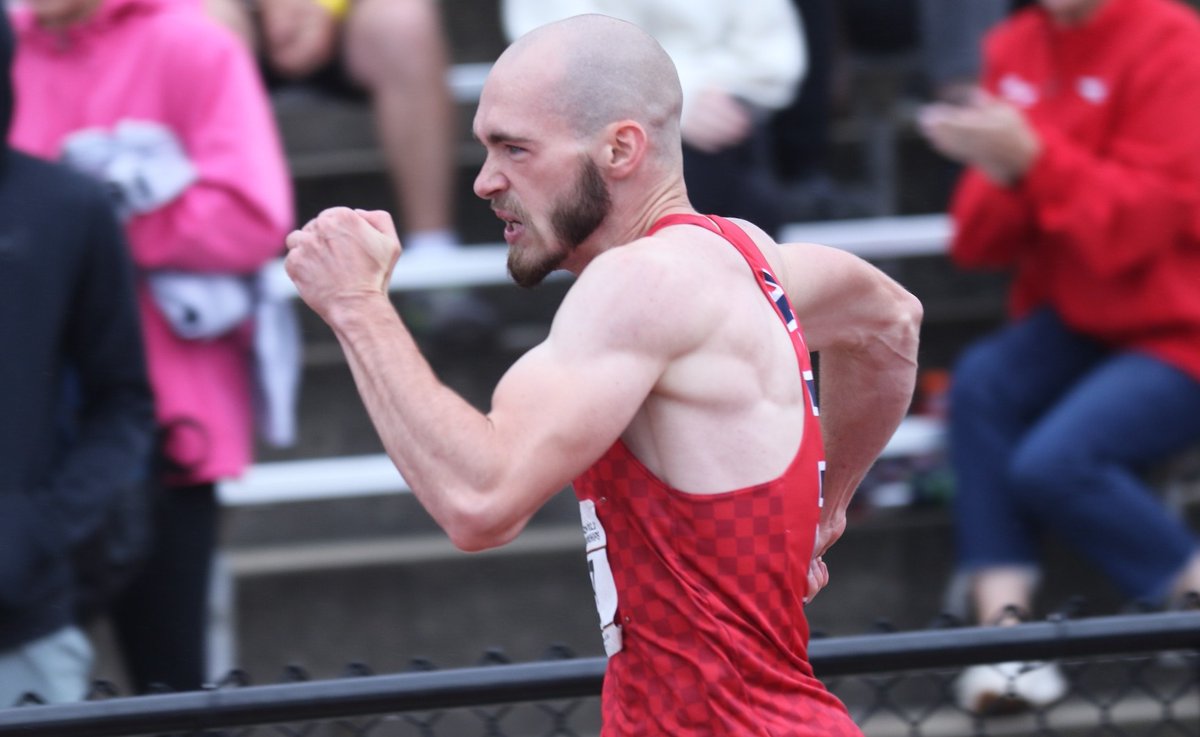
[[342, 256]]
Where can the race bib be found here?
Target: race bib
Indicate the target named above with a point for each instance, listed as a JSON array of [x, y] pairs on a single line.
[[603, 585]]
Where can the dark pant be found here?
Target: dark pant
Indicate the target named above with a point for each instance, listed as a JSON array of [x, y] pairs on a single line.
[[161, 619], [1050, 432], [736, 182]]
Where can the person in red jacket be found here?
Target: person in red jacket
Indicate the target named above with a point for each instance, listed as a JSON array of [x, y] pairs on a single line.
[[1083, 176]]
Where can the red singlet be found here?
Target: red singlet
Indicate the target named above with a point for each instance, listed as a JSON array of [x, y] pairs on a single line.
[[700, 595]]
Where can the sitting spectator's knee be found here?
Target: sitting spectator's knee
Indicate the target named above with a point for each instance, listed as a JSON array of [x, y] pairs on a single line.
[[235, 16], [1042, 475], [394, 40], [976, 381]]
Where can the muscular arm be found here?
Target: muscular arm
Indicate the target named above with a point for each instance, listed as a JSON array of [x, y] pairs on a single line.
[[865, 327], [481, 476]]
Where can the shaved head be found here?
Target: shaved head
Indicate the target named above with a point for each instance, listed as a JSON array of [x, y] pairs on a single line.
[[594, 70], [580, 119]]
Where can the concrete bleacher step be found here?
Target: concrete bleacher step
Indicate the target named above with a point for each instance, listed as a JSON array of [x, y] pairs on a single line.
[[342, 477], [382, 586], [393, 550], [326, 136]]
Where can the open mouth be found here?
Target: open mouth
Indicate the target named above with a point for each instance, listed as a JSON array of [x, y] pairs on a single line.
[[513, 227]]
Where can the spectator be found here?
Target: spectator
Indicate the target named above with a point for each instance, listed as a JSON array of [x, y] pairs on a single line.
[[394, 52], [737, 63], [68, 311], [168, 109], [1083, 156]]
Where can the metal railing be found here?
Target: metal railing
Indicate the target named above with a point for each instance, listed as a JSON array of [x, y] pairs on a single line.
[[893, 683]]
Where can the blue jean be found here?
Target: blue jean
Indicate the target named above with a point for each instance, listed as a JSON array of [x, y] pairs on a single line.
[[1051, 433]]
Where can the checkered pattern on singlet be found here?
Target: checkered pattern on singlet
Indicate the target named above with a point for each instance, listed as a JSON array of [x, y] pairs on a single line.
[[710, 587]]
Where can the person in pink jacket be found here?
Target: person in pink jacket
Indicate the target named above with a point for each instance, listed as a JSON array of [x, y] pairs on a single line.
[[168, 109]]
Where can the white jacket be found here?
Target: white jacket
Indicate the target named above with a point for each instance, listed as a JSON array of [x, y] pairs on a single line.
[[753, 49]]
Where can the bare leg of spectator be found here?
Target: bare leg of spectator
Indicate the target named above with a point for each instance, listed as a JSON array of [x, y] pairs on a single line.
[[998, 590], [397, 50], [1003, 595], [233, 15], [1188, 582]]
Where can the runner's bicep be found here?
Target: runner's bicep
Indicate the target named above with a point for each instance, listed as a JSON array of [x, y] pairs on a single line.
[[839, 298], [560, 409]]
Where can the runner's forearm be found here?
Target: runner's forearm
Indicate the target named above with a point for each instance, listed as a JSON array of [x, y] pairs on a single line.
[[445, 448], [865, 392]]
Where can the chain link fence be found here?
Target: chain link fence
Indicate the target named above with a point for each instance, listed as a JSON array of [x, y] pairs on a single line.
[[1127, 675]]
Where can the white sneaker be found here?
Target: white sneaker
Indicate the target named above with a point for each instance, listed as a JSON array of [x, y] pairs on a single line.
[[1005, 688]]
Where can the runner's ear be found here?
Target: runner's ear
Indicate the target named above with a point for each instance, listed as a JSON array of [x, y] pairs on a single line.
[[625, 148]]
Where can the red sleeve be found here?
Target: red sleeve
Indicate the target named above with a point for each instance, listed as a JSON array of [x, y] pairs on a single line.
[[1119, 207], [991, 222]]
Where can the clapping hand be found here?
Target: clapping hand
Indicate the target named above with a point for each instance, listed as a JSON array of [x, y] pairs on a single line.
[[985, 132]]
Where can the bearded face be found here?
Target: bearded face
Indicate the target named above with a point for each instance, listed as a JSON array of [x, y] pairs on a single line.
[[573, 219]]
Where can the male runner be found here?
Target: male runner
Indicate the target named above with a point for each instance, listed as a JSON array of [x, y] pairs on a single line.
[[674, 388]]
